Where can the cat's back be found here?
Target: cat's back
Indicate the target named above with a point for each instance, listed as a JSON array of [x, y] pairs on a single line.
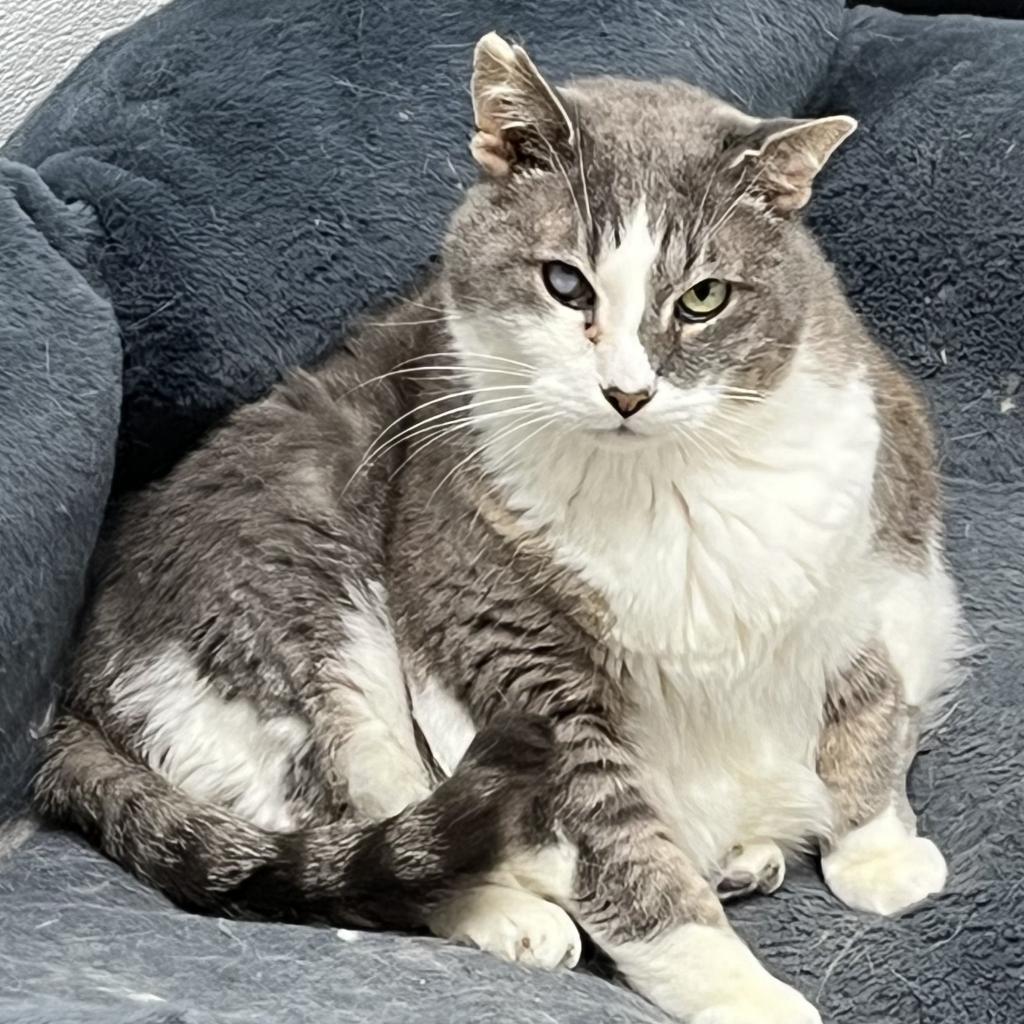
[[272, 511]]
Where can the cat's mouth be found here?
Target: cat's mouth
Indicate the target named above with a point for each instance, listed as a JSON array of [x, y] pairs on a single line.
[[617, 437]]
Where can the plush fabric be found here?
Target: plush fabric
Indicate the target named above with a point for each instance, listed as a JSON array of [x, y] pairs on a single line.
[[59, 399], [106, 950], [922, 215], [262, 170], [251, 176]]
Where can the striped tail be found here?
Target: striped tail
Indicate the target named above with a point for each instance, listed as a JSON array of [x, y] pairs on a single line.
[[388, 874]]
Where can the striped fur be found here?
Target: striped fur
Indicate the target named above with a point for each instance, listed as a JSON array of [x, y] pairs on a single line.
[[393, 873]]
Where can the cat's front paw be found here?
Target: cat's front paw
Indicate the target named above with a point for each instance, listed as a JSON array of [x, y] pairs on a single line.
[[757, 997], [883, 868], [782, 1006], [512, 924], [704, 974]]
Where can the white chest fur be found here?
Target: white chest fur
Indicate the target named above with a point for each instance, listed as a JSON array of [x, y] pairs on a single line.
[[734, 583]]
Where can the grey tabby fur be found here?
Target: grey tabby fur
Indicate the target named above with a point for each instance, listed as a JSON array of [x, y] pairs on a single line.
[[347, 531]]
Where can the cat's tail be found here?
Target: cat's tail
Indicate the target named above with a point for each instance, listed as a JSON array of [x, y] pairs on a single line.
[[388, 874]]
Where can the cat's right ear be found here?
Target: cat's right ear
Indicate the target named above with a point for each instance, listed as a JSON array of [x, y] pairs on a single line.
[[784, 155], [521, 121]]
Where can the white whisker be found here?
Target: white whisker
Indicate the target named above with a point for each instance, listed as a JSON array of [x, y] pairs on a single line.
[[411, 323], [459, 354], [702, 445], [426, 427], [732, 389], [507, 456], [583, 184], [504, 432], [463, 426], [410, 370], [745, 191], [423, 305], [379, 445]]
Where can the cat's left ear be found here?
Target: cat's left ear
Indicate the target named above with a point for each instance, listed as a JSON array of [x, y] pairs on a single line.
[[783, 156], [521, 120]]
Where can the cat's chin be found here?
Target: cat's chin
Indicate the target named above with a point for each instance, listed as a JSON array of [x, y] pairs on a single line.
[[621, 437]]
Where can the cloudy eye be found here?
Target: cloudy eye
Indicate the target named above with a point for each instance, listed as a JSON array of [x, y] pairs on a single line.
[[703, 301], [567, 285]]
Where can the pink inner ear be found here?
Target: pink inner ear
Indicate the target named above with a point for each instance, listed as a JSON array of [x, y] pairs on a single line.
[[491, 153], [792, 200], [794, 162], [791, 167]]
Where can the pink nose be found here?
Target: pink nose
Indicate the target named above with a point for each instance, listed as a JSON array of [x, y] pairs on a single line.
[[625, 403]]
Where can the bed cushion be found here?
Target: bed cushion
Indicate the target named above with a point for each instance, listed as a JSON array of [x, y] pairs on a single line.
[[255, 179]]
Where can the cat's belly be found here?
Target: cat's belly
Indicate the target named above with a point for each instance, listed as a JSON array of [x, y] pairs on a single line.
[[733, 764]]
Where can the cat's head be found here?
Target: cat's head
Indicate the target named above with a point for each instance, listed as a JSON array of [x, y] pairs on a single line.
[[630, 254]]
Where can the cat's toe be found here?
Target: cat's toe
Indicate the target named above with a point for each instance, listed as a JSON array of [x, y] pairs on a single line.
[[751, 867], [734, 885], [512, 924], [884, 874]]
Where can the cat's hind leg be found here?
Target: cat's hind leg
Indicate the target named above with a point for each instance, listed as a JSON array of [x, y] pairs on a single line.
[[876, 861], [362, 722]]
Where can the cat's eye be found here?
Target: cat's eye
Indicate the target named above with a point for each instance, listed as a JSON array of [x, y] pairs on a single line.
[[703, 301], [567, 285]]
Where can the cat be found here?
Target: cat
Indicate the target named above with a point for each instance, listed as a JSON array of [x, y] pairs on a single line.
[[572, 593]]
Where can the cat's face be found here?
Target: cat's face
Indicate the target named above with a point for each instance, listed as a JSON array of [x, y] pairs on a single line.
[[629, 258]]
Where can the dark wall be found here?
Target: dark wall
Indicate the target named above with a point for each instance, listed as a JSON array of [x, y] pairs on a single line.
[[995, 8]]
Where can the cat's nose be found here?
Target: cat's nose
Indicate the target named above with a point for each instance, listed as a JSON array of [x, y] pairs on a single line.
[[625, 403]]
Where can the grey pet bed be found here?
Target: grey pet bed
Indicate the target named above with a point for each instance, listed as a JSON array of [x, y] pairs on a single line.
[[208, 199]]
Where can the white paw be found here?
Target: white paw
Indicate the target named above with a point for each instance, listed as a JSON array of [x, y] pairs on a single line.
[[706, 975], [510, 923], [759, 998], [751, 867], [785, 1007], [883, 868]]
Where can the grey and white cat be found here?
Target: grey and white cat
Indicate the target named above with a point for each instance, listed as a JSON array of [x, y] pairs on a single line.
[[581, 588]]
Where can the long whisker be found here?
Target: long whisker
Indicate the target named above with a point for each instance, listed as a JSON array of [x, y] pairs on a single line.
[[423, 305], [730, 209], [732, 389], [448, 396], [425, 428], [698, 248], [728, 443], [465, 425], [458, 355], [583, 184], [410, 370], [504, 432], [698, 439], [693, 438], [379, 445], [507, 456], [760, 431], [561, 167], [446, 319]]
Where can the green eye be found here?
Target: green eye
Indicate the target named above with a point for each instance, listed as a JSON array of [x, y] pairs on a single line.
[[704, 300]]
